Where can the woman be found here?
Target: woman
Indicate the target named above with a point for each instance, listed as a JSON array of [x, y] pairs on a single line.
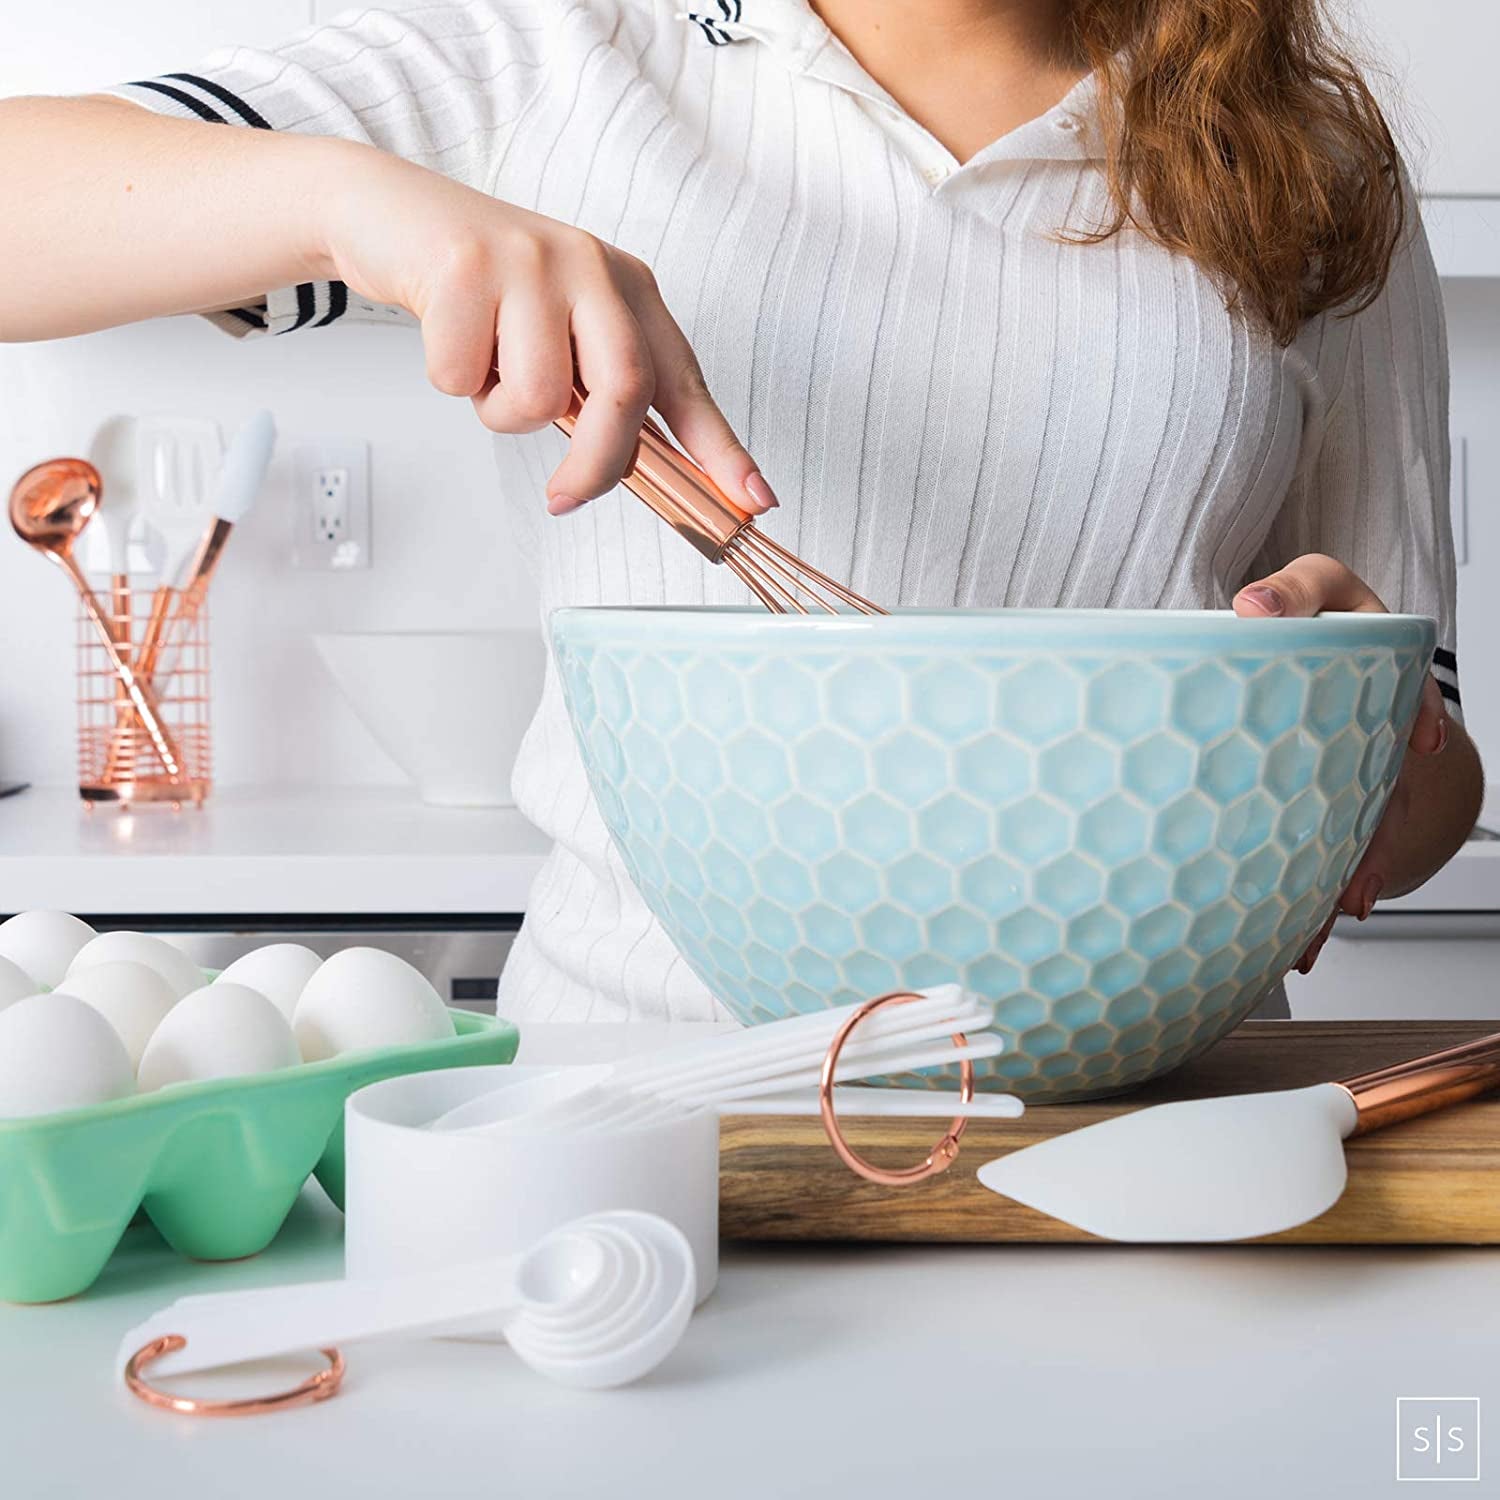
[[1023, 302]]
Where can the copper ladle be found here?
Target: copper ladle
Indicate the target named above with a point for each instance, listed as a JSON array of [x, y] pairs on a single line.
[[49, 506]]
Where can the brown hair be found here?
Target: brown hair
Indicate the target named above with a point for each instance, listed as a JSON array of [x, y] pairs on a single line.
[[1242, 135]]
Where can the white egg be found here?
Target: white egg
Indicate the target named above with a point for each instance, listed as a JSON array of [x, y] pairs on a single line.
[[218, 1031], [43, 944], [132, 998], [15, 983], [278, 971], [364, 997], [156, 953], [58, 1053]]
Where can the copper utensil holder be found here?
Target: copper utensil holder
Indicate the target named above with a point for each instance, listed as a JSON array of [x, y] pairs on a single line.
[[117, 761]]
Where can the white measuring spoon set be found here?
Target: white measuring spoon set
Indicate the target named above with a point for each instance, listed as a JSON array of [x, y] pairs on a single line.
[[771, 1069], [597, 1303]]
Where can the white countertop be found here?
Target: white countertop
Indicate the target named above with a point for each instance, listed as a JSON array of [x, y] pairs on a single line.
[[867, 1372], [359, 851], [1065, 1371]]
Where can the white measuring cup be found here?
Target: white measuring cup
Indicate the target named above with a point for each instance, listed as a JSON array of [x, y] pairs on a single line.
[[418, 1199]]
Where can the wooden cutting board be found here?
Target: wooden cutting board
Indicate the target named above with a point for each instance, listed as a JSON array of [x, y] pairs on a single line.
[[1434, 1180]]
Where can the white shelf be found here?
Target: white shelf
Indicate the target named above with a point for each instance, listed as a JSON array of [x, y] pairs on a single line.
[[365, 851]]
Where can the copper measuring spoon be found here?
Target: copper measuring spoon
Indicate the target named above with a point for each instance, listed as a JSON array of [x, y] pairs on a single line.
[[49, 506]]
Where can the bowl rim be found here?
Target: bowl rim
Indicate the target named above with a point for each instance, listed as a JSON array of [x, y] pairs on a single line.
[[1198, 632]]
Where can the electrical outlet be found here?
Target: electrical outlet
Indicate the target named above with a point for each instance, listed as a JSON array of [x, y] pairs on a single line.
[[331, 506], [331, 521]]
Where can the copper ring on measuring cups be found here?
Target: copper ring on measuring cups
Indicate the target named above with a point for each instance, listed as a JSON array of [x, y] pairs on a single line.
[[317, 1387], [941, 1157]]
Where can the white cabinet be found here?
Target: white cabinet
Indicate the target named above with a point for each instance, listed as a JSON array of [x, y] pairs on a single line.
[[1442, 92], [90, 44], [1444, 968]]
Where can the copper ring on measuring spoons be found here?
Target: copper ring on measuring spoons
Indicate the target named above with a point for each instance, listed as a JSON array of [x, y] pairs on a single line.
[[318, 1387], [941, 1157]]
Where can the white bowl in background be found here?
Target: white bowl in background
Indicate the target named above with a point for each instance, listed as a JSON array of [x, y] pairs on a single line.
[[449, 707]]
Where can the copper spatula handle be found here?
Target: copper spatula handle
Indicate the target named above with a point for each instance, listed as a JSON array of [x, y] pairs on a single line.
[[1407, 1089]]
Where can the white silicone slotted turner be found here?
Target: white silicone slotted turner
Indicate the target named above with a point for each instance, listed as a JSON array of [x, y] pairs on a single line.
[[177, 463]]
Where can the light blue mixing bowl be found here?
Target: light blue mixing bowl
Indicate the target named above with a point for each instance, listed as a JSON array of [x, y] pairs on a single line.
[[1122, 826]]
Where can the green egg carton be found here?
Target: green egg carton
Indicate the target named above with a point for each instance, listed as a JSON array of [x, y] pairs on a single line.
[[216, 1166]]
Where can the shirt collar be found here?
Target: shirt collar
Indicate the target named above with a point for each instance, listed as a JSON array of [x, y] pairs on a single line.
[[800, 38]]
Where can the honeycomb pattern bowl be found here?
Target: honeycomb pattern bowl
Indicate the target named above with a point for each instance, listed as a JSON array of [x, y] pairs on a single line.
[[1122, 826]]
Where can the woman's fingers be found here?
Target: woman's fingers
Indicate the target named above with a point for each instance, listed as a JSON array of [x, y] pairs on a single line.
[[1429, 734], [1372, 873], [1306, 586], [458, 338], [532, 379], [1304, 965], [683, 399], [1313, 583], [614, 365], [506, 323]]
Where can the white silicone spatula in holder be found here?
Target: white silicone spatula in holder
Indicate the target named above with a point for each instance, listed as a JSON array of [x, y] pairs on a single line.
[[597, 1303]]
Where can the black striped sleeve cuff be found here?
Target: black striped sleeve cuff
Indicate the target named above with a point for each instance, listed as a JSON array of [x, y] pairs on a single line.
[[1445, 673], [312, 304]]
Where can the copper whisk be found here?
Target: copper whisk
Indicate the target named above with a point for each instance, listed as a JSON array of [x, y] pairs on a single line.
[[699, 511]]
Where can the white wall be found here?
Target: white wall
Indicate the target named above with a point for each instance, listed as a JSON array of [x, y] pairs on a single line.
[[1437, 58], [441, 558]]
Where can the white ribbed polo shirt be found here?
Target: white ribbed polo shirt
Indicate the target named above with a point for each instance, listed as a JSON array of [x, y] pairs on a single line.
[[955, 406]]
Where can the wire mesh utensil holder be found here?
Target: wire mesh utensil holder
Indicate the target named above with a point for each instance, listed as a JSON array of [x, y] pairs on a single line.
[[117, 761]]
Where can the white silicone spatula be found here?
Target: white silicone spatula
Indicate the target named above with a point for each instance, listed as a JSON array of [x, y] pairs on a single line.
[[1231, 1168]]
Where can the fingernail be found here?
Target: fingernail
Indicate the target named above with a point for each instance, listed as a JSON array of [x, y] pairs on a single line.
[[1442, 743], [1369, 896], [760, 492], [560, 505], [1267, 598]]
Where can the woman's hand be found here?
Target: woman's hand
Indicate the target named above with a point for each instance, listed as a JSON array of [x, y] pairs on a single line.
[[509, 301], [1437, 794]]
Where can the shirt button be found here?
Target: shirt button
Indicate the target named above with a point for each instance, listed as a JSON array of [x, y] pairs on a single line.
[[935, 174], [1065, 122]]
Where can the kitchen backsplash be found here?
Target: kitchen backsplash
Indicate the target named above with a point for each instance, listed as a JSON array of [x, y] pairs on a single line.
[[441, 555]]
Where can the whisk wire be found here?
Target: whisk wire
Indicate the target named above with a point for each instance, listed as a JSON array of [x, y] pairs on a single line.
[[699, 511], [807, 577], [753, 569]]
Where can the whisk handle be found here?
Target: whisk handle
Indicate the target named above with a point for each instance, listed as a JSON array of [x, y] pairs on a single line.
[[676, 489]]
